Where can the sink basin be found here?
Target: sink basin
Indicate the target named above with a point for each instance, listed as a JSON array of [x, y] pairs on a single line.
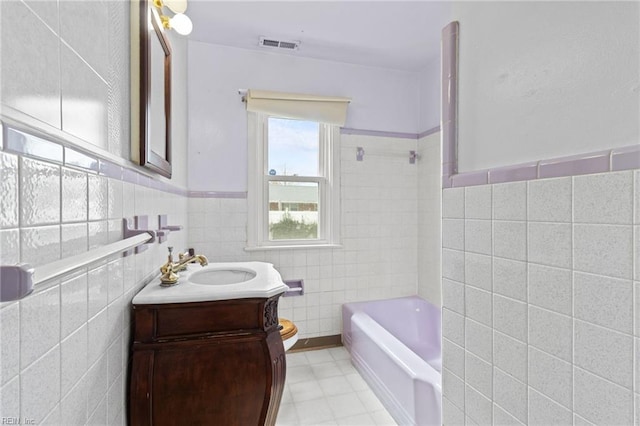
[[216, 281], [221, 276]]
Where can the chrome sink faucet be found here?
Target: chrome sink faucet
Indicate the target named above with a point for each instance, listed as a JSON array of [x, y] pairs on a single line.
[[170, 269]]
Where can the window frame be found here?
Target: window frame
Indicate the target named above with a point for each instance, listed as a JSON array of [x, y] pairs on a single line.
[[258, 187]]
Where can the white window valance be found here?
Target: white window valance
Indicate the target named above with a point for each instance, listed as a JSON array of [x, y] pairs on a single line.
[[323, 109]]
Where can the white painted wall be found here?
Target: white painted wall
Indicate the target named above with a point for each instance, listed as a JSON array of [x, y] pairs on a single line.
[[382, 99], [430, 95], [546, 79], [179, 109]]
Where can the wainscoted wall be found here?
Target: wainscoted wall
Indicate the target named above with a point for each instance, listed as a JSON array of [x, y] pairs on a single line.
[[65, 73], [541, 308], [380, 233], [64, 348]]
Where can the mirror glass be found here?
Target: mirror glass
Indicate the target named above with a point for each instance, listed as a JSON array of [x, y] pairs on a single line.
[[157, 128], [150, 89]]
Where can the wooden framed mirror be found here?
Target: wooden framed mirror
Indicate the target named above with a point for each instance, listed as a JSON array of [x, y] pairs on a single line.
[[150, 89]]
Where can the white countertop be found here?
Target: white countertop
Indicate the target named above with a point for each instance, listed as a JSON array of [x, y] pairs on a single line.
[[266, 283]]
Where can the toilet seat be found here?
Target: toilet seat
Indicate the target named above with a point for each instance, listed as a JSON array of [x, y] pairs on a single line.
[[289, 333]]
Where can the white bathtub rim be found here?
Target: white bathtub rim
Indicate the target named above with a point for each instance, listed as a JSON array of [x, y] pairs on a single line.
[[409, 361], [392, 405]]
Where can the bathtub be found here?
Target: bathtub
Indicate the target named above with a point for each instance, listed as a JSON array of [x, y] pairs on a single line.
[[395, 345]]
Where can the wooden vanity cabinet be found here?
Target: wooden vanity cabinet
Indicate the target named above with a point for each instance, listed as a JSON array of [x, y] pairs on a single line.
[[206, 363]]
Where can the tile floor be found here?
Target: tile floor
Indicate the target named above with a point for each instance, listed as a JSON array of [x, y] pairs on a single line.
[[323, 388]]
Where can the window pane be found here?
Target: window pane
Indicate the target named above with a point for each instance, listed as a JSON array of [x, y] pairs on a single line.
[[293, 210], [293, 147]]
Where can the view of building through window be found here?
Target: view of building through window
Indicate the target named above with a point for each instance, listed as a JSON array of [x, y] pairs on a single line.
[[293, 150]]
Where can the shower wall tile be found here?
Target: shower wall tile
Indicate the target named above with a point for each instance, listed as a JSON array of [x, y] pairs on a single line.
[[604, 353], [452, 413], [478, 305], [74, 195], [40, 324], [510, 355], [551, 376], [453, 233], [10, 245], [73, 303], [455, 388], [39, 193], [544, 411], [453, 265], [603, 250], [453, 296], [551, 332], [455, 355], [479, 340], [604, 301], [550, 200], [477, 406], [636, 303], [510, 394], [53, 353], [510, 201], [550, 288], [453, 326], [510, 240], [477, 236], [98, 290], [73, 359], [600, 401], [10, 398], [9, 342], [510, 317], [115, 199], [477, 270], [73, 408], [74, 239], [605, 198], [510, 278], [564, 287], [98, 197], [478, 373], [9, 191], [39, 245], [40, 386], [477, 202], [501, 417], [550, 244], [453, 203]]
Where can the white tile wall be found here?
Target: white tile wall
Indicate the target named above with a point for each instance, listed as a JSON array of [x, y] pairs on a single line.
[[64, 348], [565, 308], [379, 258], [430, 218]]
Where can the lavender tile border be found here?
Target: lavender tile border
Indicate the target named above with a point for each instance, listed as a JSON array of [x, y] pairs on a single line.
[[216, 194], [25, 144], [625, 158], [378, 133], [616, 159], [428, 132]]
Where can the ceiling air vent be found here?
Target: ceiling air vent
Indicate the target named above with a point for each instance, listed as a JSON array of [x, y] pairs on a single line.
[[279, 44]]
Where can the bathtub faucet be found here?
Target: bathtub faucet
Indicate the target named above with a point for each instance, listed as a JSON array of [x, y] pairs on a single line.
[[170, 269]]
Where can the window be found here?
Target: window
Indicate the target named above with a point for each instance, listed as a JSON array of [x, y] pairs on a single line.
[[293, 182]]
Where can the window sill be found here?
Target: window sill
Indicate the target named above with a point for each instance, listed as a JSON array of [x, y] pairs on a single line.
[[293, 247]]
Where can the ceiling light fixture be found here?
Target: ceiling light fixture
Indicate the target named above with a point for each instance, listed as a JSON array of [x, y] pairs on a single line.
[[179, 21]]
